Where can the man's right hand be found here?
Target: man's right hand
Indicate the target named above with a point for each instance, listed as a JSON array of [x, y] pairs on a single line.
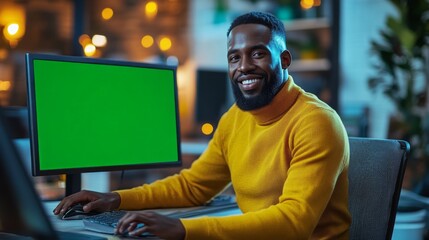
[[91, 201]]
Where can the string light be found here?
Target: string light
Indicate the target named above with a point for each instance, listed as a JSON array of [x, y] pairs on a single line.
[[207, 129], [84, 40], [151, 9], [165, 44], [12, 17], [12, 29], [99, 40], [107, 13], [147, 41], [89, 50]]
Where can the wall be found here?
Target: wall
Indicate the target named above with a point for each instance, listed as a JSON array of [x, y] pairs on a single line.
[[361, 21], [208, 30]]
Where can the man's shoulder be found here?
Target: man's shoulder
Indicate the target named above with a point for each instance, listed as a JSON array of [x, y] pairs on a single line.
[[309, 108], [308, 101], [233, 115], [233, 111]]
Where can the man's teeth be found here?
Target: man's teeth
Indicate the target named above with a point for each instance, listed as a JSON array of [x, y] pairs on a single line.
[[249, 81]]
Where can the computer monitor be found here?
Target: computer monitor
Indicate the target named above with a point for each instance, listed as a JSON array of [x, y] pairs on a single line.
[[88, 115], [213, 96]]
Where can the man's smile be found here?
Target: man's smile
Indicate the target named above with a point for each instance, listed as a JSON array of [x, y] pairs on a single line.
[[250, 84]]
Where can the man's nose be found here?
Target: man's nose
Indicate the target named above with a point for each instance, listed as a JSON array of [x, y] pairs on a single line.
[[246, 65]]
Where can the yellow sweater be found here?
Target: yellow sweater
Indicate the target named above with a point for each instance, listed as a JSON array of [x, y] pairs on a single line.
[[288, 164]]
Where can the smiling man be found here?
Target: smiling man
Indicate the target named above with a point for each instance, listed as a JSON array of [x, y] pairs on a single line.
[[256, 58], [285, 152]]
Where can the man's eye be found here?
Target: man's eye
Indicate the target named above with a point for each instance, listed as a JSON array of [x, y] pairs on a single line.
[[258, 54], [233, 59]]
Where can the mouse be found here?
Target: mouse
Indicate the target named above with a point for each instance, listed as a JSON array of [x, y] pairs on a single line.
[[76, 212]]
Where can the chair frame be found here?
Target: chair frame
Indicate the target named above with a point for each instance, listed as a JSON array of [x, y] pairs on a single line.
[[395, 171]]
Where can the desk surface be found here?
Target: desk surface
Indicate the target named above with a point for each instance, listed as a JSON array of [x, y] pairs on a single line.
[[68, 225], [78, 226]]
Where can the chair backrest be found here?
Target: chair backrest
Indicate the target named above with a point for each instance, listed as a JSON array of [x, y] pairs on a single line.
[[376, 171]]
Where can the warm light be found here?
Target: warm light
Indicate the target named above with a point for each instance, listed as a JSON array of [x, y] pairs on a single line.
[[165, 44], [151, 9], [12, 29], [207, 129], [12, 17], [107, 13], [84, 40], [4, 85], [307, 4], [12, 32], [89, 50], [147, 41], [99, 40]]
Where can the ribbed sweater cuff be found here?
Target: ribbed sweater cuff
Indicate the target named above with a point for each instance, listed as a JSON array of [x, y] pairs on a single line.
[[195, 228], [129, 198]]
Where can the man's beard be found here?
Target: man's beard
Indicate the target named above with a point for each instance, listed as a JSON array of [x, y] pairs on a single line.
[[262, 99]]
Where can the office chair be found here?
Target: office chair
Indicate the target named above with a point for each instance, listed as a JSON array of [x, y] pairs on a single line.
[[376, 171]]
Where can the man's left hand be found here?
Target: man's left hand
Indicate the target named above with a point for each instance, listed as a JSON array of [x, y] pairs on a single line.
[[156, 224]]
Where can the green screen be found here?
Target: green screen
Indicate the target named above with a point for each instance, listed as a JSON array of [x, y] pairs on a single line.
[[103, 115]]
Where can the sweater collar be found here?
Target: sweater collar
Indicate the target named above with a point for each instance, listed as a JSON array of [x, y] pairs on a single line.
[[281, 103]]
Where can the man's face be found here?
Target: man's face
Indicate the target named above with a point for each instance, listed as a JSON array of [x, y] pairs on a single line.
[[256, 64]]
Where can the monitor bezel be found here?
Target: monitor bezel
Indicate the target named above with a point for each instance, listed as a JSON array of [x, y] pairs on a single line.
[[33, 131]]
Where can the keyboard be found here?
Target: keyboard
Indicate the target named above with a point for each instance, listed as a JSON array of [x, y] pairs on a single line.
[[106, 222]]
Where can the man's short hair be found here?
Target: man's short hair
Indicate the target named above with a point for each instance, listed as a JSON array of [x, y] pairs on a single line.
[[273, 23]]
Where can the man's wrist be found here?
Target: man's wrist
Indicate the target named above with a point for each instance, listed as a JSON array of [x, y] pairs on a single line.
[[114, 200]]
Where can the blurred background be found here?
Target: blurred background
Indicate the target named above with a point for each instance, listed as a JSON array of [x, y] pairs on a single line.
[[368, 59]]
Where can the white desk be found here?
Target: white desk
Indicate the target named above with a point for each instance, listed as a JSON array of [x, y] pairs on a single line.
[[78, 227]]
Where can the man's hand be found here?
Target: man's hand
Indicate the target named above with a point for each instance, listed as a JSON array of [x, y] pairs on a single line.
[[159, 225], [92, 201]]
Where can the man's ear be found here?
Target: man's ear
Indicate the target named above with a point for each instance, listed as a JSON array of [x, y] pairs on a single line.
[[286, 59]]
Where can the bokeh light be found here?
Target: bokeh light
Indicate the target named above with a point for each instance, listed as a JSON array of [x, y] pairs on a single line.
[[84, 40], [99, 40], [165, 44], [147, 41], [207, 129], [107, 13], [151, 9], [89, 50], [12, 29]]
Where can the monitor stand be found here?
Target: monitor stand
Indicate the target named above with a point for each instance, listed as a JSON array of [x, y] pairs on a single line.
[[73, 183]]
